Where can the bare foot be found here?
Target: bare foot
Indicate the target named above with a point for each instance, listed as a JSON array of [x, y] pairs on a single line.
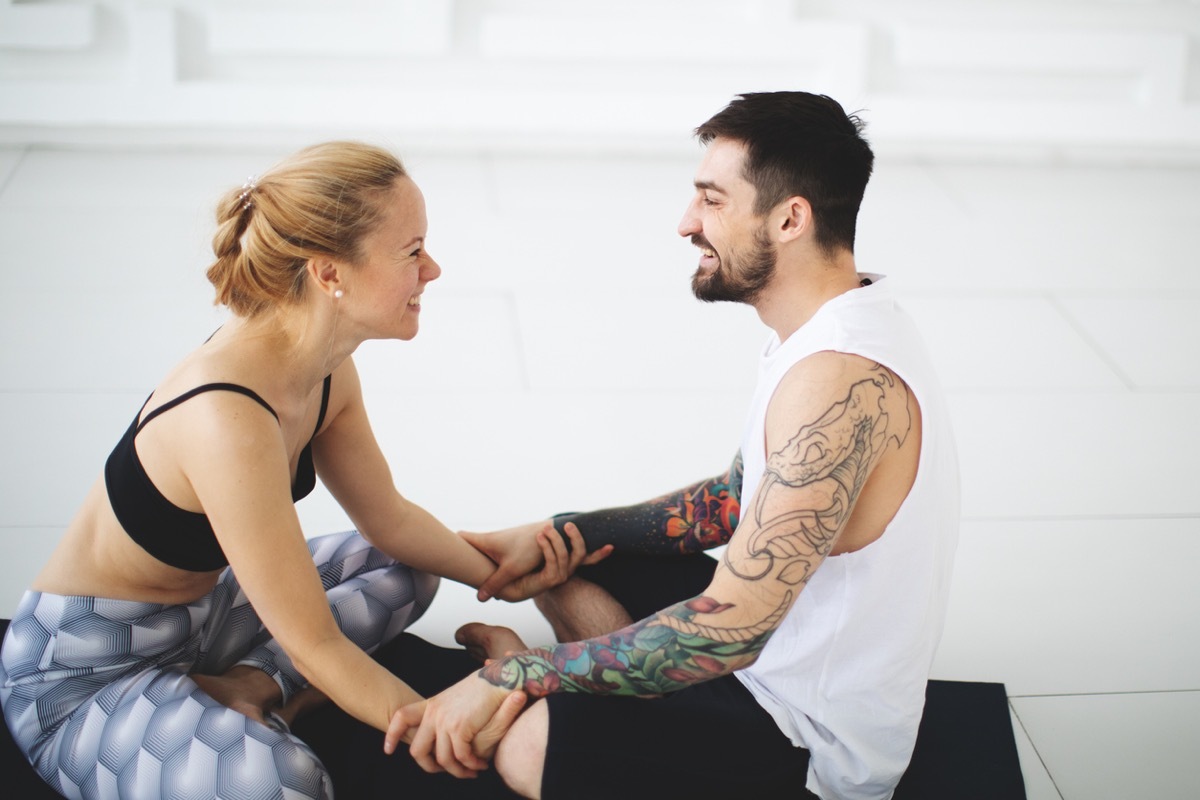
[[488, 641]]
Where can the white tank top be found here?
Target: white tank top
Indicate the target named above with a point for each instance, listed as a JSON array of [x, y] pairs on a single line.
[[844, 675]]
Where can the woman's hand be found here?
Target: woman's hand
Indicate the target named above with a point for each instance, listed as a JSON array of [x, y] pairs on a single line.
[[458, 730], [519, 551]]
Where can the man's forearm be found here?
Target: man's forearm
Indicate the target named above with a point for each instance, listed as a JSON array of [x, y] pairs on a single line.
[[659, 654], [699, 517]]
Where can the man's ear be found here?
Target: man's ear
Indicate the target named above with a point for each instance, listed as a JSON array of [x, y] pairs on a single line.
[[325, 274], [793, 218]]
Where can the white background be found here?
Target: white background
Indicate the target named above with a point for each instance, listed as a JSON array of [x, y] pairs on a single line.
[[1036, 201]]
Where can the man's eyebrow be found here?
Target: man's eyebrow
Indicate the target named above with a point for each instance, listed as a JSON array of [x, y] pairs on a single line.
[[699, 184]]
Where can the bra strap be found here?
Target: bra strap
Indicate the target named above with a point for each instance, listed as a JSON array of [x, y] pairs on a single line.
[[213, 387], [324, 403]]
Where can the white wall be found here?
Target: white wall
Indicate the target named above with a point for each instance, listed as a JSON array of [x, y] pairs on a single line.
[[1036, 200], [1050, 78]]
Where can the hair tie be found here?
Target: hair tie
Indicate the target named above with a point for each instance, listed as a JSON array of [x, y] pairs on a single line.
[[249, 186]]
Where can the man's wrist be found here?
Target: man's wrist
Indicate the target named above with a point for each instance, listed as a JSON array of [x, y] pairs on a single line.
[[532, 672], [559, 521], [496, 676]]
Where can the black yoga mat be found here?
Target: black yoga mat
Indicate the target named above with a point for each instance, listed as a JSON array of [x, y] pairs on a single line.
[[965, 748]]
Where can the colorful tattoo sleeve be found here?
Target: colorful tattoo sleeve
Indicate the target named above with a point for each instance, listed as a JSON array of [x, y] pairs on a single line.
[[660, 654], [702, 516]]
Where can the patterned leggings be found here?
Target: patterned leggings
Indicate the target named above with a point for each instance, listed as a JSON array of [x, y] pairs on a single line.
[[97, 695]]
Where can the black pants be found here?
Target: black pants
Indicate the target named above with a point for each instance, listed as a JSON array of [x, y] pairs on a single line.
[[709, 740]]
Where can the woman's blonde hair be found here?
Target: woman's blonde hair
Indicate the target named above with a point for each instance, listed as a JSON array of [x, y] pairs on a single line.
[[322, 201]]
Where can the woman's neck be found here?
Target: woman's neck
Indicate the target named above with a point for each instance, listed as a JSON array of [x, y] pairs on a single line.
[[297, 346]]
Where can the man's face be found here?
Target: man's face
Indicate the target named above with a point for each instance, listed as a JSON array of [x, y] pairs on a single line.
[[737, 258]]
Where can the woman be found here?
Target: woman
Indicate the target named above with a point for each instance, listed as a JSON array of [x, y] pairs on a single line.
[[138, 665]]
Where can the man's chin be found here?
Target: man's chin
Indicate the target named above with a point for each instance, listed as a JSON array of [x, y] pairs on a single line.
[[708, 290], [701, 282], [711, 289]]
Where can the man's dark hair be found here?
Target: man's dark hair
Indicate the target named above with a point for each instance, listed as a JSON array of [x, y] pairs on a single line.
[[800, 144]]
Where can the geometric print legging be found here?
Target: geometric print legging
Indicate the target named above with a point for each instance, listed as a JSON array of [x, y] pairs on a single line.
[[97, 695]]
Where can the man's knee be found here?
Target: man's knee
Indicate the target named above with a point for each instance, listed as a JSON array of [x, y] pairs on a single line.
[[551, 601], [521, 756], [580, 609], [562, 608]]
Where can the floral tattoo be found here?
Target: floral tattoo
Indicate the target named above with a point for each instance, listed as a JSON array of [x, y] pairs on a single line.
[[660, 654], [699, 517]]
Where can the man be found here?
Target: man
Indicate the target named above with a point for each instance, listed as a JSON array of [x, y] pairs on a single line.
[[799, 661]]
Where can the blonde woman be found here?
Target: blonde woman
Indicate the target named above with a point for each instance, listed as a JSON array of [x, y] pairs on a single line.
[[165, 647]]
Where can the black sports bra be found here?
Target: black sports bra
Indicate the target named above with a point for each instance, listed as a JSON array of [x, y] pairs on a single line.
[[174, 535]]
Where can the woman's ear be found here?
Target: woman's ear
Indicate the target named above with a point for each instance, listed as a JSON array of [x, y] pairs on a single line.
[[325, 275]]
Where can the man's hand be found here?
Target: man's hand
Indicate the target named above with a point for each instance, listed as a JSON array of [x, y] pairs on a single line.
[[246, 689], [519, 551], [458, 730]]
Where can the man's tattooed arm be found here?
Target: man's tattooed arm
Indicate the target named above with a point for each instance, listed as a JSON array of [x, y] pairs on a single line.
[[702, 516], [660, 654], [834, 437], [811, 484]]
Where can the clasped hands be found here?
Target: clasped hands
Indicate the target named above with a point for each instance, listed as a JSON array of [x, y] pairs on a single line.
[[458, 730], [531, 559]]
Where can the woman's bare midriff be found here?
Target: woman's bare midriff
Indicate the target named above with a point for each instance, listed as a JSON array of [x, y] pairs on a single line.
[[96, 558]]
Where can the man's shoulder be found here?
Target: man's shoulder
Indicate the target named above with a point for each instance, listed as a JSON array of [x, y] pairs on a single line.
[[830, 385], [828, 369]]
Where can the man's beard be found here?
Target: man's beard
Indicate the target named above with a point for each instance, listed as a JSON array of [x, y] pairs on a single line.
[[740, 279]]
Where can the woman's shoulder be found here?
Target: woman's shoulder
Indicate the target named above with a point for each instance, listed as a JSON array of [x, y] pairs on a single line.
[[202, 382]]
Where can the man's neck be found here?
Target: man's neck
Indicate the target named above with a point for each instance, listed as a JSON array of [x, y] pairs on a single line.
[[800, 289]]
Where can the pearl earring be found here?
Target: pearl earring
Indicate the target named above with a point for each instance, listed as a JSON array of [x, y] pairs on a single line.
[[337, 294]]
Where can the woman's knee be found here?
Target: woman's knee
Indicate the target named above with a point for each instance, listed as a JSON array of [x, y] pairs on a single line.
[[346, 551], [425, 586], [407, 592], [374, 607]]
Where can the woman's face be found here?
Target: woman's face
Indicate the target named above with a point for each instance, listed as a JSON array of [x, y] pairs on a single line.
[[388, 284]]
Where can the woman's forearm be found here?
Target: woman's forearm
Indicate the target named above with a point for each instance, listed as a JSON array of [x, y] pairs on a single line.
[[415, 537], [355, 682]]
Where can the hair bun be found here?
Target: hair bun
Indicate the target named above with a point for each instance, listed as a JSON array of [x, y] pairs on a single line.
[[321, 201]]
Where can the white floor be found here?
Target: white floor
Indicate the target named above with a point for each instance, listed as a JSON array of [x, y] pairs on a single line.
[[563, 365]]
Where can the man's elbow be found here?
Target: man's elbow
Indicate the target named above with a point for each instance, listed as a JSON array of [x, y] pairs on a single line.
[[746, 660]]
